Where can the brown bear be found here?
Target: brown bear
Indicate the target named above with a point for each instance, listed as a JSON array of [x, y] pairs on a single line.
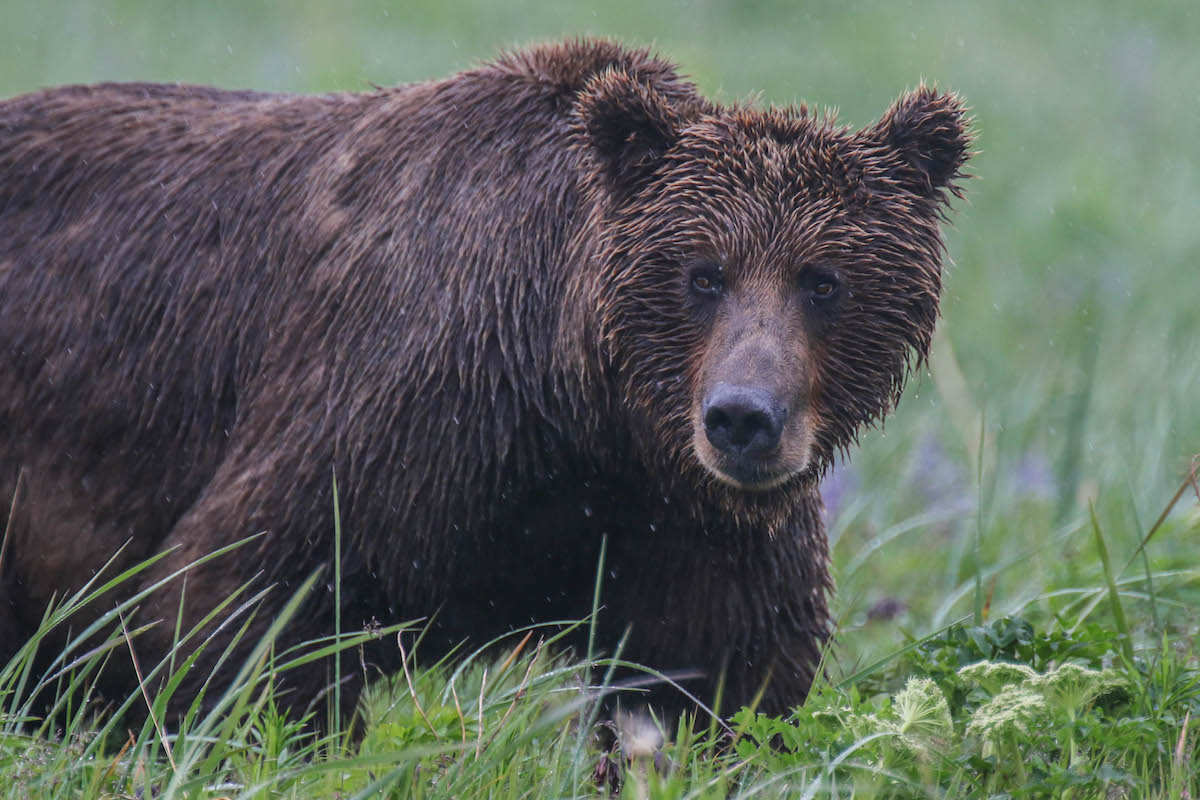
[[556, 300]]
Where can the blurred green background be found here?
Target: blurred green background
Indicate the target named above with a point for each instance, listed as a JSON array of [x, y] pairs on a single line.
[[1067, 368]]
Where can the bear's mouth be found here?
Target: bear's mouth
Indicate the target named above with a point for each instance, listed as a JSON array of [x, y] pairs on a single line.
[[748, 476]]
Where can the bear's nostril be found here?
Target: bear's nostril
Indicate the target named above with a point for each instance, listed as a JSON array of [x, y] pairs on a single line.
[[750, 425], [717, 419], [742, 420]]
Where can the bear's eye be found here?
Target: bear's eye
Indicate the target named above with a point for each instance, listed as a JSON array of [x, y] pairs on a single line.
[[820, 285], [707, 280], [824, 289]]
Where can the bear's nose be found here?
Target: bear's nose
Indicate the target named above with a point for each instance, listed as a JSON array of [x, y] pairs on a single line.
[[742, 420]]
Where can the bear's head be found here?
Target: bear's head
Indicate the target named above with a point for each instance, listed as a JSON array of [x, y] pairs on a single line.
[[764, 281]]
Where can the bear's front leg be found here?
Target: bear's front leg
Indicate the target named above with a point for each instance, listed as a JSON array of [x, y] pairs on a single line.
[[284, 500], [748, 609]]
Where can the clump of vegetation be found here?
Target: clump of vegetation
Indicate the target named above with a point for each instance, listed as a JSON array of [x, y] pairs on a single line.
[[969, 724]]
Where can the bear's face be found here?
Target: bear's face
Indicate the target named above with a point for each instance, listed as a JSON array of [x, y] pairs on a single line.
[[765, 279]]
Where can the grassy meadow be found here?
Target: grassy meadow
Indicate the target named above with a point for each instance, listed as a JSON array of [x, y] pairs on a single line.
[[1003, 633]]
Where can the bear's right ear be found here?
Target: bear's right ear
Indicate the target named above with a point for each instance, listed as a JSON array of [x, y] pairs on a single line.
[[625, 127]]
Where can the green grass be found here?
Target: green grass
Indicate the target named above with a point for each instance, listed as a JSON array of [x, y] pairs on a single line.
[[1058, 416], [1074, 706]]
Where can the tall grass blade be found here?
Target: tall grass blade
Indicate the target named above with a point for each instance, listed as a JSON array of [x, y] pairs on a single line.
[[913, 645], [1114, 595], [337, 610]]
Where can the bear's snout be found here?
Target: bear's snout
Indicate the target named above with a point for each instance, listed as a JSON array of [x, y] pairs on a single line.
[[751, 421], [743, 422]]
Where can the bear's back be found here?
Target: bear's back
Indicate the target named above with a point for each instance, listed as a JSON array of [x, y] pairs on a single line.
[[156, 241]]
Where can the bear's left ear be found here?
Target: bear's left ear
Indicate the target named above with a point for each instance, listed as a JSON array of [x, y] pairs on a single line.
[[625, 127], [929, 132]]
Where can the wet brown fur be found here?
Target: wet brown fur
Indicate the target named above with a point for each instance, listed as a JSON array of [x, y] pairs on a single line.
[[469, 299]]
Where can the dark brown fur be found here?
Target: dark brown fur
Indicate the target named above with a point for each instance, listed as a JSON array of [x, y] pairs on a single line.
[[470, 299]]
